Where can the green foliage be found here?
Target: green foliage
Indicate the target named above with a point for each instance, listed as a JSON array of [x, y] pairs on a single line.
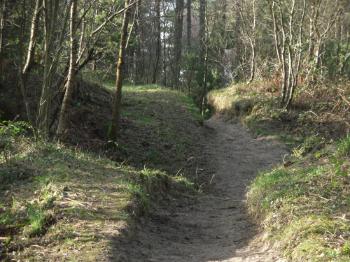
[[346, 248], [14, 128], [344, 147], [37, 219], [9, 132], [311, 143]]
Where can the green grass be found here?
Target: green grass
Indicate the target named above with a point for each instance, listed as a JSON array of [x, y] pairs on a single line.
[[303, 205], [162, 130], [53, 197], [344, 147], [67, 188]]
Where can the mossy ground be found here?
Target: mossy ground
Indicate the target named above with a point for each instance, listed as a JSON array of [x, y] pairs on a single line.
[[59, 201], [302, 204]]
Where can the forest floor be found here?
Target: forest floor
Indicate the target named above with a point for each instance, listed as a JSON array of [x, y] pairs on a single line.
[[216, 226]]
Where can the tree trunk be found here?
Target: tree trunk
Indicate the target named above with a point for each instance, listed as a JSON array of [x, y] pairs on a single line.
[[116, 114], [63, 118], [298, 57], [252, 62], [158, 42], [202, 44], [253, 46], [189, 24], [178, 41], [205, 74], [2, 27], [32, 39], [29, 59], [139, 63], [50, 22], [275, 32]]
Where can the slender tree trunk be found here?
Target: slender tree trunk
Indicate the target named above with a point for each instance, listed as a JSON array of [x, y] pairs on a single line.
[[252, 62], [139, 63], [117, 100], [165, 64], [252, 46], [29, 58], [82, 38], [298, 58], [63, 118], [284, 85], [202, 44], [275, 32], [189, 24], [32, 39], [178, 41], [205, 74], [291, 62], [2, 27], [158, 42], [50, 21]]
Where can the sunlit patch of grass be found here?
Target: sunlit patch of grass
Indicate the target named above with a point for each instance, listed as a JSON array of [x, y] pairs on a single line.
[[304, 206], [71, 187], [161, 129], [343, 148], [38, 218]]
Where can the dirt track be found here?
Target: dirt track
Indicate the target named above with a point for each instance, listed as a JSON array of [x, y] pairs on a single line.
[[216, 227]]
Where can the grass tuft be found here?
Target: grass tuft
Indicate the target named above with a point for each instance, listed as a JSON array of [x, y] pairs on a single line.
[[343, 148]]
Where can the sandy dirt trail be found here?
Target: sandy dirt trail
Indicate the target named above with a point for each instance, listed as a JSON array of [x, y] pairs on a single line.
[[216, 227]]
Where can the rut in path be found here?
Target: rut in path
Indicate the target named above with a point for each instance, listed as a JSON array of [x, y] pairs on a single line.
[[216, 227]]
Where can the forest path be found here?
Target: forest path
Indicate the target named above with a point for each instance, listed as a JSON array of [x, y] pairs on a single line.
[[216, 227]]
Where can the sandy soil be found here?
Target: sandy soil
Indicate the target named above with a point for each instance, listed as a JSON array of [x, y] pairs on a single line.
[[215, 227]]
